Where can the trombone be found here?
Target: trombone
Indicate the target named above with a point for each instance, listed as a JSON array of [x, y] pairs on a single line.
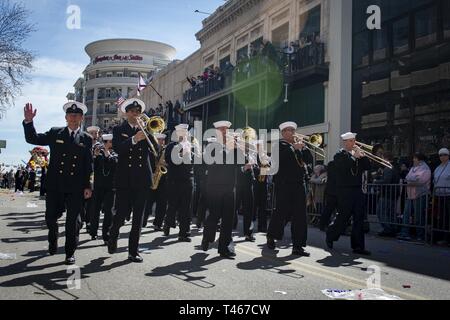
[[151, 126], [367, 150], [312, 143]]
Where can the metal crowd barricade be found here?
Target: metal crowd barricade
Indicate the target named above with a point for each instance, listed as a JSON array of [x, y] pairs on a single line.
[[440, 215]]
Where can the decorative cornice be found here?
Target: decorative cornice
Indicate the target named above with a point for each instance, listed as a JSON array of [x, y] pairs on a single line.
[[223, 16]]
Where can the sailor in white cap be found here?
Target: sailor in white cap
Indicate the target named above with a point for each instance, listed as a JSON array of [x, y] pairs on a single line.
[[160, 194], [68, 176], [180, 181], [290, 191], [261, 187], [105, 163], [221, 182], [133, 176], [350, 163]]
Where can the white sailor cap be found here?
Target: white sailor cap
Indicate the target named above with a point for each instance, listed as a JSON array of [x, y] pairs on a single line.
[[75, 107], [348, 136], [132, 103], [107, 137], [221, 124], [288, 125], [444, 151], [182, 127], [93, 129], [160, 136]]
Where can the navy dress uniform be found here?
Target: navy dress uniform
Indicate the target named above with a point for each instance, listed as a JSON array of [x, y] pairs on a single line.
[[261, 193], [180, 183], [349, 171], [68, 176], [133, 180], [104, 172], [221, 186], [290, 195]]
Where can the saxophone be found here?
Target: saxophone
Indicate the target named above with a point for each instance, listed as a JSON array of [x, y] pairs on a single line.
[[160, 171]]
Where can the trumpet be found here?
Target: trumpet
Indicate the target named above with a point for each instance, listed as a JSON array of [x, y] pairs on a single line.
[[367, 151], [312, 143]]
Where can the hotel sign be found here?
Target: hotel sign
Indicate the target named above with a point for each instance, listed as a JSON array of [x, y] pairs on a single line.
[[117, 58]]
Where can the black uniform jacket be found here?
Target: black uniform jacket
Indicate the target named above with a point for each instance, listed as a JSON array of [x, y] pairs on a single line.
[[290, 167], [70, 165], [134, 168]]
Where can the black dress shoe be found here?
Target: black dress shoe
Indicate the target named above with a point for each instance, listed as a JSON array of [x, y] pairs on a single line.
[[250, 238], [270, 243], [136, 259], [158, 228], [184, 239], [93, 238], [300, 252], [112, 246], [228, 255], [205, 245], [362, 252], [166, 230], [329, 244], [53, 248], [70, 260]]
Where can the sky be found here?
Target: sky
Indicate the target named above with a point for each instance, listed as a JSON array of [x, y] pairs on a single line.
[[61, 59]]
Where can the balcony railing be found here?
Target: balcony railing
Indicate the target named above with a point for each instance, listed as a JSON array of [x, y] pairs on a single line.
[[289, 63]]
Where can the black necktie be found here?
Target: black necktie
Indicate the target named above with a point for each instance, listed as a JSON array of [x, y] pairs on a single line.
[[72, 137]]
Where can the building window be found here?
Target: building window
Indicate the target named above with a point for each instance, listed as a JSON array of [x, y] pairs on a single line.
[[280, 36], [380, 44], [119, 74], [106, 123], [223, 62], [400, 35], [242, 53], [109, 75], [446, 19], [310, 22], [107, 107], [426, 27], [134, 75], [361, 49], [108, 93]]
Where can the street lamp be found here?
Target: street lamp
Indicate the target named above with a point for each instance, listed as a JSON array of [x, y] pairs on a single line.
[[198, 11]]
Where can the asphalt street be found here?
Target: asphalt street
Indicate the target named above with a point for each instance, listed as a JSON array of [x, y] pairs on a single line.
[[181, 271]]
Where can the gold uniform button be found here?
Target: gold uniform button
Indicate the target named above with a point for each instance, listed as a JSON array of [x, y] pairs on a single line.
[[131, 150], [131, 157], [140, 166], [62, 163], [75, 157], [129, 165], [64, 155], [71, 173], [74, 165], [60, 172], [140, 149], [140, 157]]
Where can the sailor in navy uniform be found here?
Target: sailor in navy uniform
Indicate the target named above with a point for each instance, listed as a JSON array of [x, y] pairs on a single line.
[[70, 168], [88, 207], [221, 186], [105, 163], [133, 178], [179, 157], [290, 190], [350, 164]]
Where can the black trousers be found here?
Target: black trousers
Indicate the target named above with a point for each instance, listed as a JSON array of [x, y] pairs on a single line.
[[127, 201], [151, 199], [248, 204], [179, 202], [103, 201], [221, 206], [161, 205], [88, 208], [261, 205], [350, 204], [330, 207], [74, 204], [200, 204], [290, 206]]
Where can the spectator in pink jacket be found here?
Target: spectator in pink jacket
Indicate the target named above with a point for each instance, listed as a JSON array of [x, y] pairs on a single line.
[[418, 187]]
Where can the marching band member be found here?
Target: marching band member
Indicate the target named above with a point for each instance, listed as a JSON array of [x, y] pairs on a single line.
[[220, 186], [350, 164], [290, 191], [70, 168], [160, 194], [133, 176], [105, 162], [88, 206], [180, 181], [261, 192]]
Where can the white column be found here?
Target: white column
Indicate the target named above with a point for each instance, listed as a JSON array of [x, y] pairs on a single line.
[[94, 107], [340, 79]]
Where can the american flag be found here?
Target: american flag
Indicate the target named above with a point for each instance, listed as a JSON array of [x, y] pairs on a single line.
[[120, 101]]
